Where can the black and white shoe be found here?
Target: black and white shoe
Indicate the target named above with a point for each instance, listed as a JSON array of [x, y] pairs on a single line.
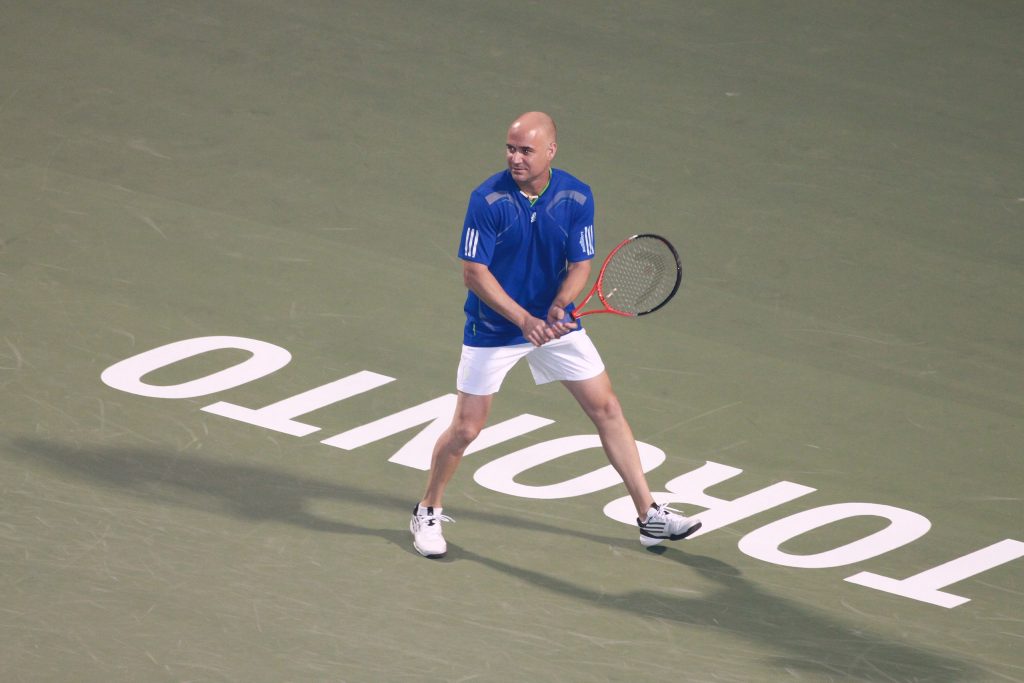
[[665, 524], [427, 537]]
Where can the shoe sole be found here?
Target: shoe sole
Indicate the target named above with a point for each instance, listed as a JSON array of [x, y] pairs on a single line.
[[435, 556], [648, 541], [429, 556]]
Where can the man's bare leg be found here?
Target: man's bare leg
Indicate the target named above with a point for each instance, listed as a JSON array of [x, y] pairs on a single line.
[[471, 413], [599, 402], [657, 523]]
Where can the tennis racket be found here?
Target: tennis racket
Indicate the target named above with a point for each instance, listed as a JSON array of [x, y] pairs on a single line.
[[638, 277]]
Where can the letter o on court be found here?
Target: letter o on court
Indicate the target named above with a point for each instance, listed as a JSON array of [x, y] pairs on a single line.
[[905, 527], [498, 475], [127, 375]]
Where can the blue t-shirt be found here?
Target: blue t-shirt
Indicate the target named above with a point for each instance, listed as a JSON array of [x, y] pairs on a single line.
[[526, 247]]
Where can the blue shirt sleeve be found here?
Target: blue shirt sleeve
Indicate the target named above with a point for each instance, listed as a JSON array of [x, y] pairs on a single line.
[[581, 232], [478, 232]]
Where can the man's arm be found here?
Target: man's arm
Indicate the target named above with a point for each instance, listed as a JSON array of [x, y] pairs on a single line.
[[481, 281]]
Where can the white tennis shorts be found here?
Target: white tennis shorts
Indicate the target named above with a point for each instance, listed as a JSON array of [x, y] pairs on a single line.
[[482, 369]]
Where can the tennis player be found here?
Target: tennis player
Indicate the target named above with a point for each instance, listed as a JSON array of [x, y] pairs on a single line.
[[527, 245]]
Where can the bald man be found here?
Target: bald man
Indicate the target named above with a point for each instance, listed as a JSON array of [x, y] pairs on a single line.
[[527, 244]]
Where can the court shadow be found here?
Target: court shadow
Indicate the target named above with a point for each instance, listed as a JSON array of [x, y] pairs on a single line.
[[808, 642], [239, 490]]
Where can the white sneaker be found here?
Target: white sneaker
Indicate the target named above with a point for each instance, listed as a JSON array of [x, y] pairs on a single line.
[[665, 524], [425, 526]]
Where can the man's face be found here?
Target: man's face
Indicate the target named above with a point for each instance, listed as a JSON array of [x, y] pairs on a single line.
[[529, 152]]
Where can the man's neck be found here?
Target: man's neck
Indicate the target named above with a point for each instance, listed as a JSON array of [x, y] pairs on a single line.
[[532, 192]]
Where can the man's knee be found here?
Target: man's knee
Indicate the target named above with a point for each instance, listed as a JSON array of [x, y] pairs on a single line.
[[463, 432], [469, 420], [608, 409]]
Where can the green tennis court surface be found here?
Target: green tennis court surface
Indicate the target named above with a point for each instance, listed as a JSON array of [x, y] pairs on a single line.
[[839, 386]]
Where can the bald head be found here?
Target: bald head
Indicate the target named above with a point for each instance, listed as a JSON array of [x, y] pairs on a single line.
[[529, 150], [536, 122]]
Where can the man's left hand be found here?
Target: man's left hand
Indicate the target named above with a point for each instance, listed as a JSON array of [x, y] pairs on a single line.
[[558, 323]]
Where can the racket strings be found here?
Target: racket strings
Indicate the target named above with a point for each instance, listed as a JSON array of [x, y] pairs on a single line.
[[640, 276]]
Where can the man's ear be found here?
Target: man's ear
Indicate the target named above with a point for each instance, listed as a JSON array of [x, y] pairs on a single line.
[[552, 150]]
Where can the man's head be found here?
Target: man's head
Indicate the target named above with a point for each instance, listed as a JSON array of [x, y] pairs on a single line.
[[530, 149]]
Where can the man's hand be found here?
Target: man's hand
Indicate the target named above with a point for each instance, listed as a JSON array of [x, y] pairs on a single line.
[[537, 331], [557, 323]]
